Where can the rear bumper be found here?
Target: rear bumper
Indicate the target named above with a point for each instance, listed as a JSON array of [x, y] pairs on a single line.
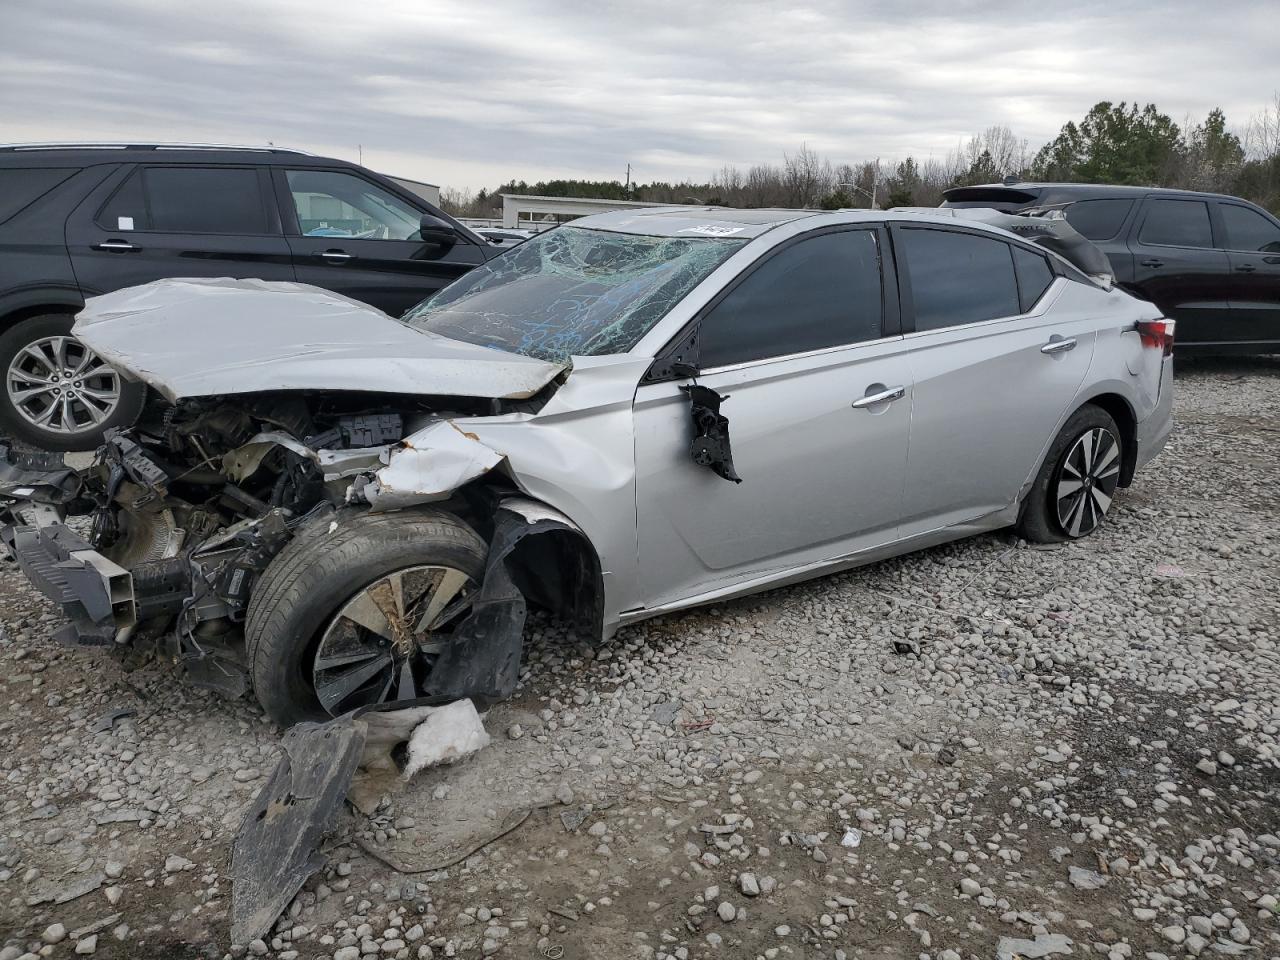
[[1154, 431], [95, 593]]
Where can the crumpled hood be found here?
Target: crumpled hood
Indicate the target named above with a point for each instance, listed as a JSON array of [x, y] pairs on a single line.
[[209, 337]]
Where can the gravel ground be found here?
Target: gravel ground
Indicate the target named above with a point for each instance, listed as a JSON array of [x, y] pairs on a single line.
[[979, 750]]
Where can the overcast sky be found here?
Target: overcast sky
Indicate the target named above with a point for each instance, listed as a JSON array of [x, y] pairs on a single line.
[[469, 94]]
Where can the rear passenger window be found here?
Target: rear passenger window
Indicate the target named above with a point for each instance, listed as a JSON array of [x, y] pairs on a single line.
[[958, 277], [1177, 223], [188, 200], [820, 292], [1249, 230], [22, 186], [1034, 276], [1098, 219]]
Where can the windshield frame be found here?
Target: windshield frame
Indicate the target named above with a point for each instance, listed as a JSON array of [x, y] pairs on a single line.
[[651, 294]]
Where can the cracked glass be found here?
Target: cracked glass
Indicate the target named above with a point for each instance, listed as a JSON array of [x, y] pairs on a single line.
[[571, 291]]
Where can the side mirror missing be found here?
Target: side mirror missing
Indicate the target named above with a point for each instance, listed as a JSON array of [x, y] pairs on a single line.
[[434, 230]]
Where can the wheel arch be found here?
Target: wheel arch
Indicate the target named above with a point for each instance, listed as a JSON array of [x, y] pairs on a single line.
[[559, 568], [1127, 421], [15, 309]]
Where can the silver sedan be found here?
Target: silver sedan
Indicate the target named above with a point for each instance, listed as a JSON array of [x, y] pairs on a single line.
[[629, 415]]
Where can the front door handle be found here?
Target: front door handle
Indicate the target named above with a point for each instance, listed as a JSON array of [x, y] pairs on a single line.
[[1151, 262], [883, 396], [1058, 344], [335, 256], [1246, 268], [116, 246]]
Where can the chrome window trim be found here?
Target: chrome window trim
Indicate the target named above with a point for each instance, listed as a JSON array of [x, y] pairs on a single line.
[[748, 364]]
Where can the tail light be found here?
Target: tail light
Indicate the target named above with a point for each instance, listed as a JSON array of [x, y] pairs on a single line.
[[1157, 333]]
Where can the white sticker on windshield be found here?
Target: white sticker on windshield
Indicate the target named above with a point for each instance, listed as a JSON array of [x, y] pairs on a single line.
[[712, 230], [124, 223]]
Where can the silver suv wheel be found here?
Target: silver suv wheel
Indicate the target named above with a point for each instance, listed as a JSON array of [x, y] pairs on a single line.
[[59, 385]]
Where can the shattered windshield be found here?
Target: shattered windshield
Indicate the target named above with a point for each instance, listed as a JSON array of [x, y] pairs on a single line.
[[572, 291]]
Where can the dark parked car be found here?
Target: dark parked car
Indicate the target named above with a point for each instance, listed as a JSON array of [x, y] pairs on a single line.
[[1210, 262], [77, 220]]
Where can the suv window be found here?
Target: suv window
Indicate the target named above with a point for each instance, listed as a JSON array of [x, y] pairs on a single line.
[[823, 291], [1249, 230], [188, 200], [1177, 223], [22, 186], [958, 277], [1098, 219], [331, 204], [1034, 276]]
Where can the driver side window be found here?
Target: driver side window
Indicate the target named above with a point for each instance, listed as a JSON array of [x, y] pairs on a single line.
[[823, 291], [332, 204]]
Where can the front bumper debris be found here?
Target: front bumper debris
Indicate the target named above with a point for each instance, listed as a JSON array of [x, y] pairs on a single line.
[[95, 594]]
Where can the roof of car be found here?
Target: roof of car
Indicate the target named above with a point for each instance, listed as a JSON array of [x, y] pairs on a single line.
[[1099, 190], [670, 221], [98, 152]]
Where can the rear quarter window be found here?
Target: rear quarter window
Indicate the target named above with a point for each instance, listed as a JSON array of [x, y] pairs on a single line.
[[1034, 276], [1098, 219], [22, 186]]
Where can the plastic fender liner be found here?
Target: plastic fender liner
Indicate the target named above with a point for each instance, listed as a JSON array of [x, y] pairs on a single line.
[[487, 664]]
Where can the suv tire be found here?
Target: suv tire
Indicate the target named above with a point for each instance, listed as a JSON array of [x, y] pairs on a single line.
[[47, 400]]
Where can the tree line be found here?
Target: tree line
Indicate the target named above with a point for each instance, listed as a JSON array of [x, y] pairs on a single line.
[[1121, 143]]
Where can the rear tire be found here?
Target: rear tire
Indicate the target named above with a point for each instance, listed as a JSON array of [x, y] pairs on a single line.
[[1073, 491], [57, 394], [317, 576]]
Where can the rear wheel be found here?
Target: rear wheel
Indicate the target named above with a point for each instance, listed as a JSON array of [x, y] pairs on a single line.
[[359, 615], [58, 394], [1077, 481]]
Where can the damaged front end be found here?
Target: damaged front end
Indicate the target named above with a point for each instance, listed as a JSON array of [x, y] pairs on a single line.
[[161, 540]]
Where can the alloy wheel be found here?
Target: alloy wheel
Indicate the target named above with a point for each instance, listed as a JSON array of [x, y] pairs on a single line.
[[59, 385], [383, 641], [1086, 481]]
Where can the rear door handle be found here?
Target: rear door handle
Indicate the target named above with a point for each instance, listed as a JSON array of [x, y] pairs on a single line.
[[1058, 344], [884, 396], [1246, 268], [117, 246], [335, 256], [1152, 262]]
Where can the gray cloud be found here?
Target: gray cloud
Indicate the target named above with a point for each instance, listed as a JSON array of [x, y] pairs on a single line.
[[470, 94]]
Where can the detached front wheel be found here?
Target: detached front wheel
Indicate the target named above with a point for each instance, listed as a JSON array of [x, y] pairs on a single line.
[[1077, 482], [359, 615]]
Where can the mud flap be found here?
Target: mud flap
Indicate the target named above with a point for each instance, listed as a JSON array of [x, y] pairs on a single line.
[[710, 447]]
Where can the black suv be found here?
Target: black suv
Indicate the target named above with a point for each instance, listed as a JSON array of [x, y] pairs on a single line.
[[1210, 262], [77, 220]]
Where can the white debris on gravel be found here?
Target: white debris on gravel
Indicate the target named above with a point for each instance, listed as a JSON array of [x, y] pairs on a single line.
[[449, 734], [1030, 777]]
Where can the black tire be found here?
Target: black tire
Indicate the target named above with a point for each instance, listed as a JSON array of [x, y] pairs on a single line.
[[314, 576], [13, 423], [1041, 520]]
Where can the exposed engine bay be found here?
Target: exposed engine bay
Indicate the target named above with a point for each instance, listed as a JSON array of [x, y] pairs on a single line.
[[183, 513]]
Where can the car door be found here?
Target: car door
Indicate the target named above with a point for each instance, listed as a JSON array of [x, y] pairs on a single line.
[[355, 237], [1178, 267], [804, 350], [994, 365], [153, 221], [1252, 240]]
